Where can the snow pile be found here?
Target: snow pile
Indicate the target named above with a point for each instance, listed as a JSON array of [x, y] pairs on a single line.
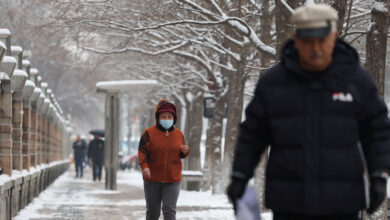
[[192, 173], [16, 174], [4, 178]]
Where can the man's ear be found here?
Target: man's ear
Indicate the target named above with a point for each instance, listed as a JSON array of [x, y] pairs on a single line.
[[336, 34]]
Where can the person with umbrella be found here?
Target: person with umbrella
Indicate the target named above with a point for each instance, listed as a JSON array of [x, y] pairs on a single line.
[[96, 154], [79, 148]]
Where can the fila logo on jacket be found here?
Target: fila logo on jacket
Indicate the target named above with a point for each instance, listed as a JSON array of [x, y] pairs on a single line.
[[342, 97]]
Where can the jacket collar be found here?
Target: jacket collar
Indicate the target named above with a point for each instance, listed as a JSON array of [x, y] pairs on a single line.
[[345, 59], [163, 129]]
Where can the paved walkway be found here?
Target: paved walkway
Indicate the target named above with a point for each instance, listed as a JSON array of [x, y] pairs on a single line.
[[79, 199]]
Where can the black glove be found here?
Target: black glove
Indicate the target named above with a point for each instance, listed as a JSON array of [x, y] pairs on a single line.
[[235, 190], [377, 193]]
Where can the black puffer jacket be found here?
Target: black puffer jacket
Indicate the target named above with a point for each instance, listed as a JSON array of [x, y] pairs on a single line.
[[321, 127]]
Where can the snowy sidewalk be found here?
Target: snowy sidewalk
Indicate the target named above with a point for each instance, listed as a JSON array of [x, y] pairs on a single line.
[[71, 198]]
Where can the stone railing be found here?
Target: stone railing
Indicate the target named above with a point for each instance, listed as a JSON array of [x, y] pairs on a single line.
[[34, 132]]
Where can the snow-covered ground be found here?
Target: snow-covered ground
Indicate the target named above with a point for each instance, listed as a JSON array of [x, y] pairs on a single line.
[[70, 198]]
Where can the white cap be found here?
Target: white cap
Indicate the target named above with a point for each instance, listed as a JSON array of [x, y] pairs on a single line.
[[314, 20]]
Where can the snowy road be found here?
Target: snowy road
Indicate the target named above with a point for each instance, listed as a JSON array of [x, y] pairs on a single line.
[[71, 198]]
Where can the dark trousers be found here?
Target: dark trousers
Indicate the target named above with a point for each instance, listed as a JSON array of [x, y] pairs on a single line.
[[157, 193], [79, 167], [295, 216], [96, 170]]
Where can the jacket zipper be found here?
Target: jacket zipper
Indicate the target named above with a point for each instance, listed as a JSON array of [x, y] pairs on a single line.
[[166, 154], [317, 140]]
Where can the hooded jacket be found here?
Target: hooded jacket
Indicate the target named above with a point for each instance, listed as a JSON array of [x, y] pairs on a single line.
[[159, 149], [322, 128]]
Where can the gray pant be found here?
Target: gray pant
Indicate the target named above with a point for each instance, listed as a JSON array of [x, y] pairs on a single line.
[[155, 193]]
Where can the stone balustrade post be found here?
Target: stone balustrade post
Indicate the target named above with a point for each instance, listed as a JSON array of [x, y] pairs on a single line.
[[56, 150], [55, 155], [60, 150], [28, 151], [40, 105], [18, 80], [6, 127], [7, 66], [50, 132], [44, 124], [50, 141], [39, 139], [34, 117]]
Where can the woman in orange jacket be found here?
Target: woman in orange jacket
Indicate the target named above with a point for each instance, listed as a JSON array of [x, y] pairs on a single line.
[[160, 151]]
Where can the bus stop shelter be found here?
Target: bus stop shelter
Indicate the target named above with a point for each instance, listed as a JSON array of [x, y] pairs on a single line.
[[113, 89]]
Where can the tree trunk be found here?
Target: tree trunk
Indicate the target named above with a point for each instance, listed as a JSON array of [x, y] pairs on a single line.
[[265, 36], [212, 162], [179, 110], [259, 179], [194, 131], [340, 6], [235, 106], [376, 45], [129, 119], [284, 29]]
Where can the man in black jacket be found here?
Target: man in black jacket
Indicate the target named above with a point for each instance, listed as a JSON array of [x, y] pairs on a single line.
[[79, 150], [320, 113], [96, 154]]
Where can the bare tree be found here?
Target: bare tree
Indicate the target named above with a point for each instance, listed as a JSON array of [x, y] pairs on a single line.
[[376, 49]]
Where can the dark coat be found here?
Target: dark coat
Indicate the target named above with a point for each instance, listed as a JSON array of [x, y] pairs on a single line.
[[79, 150], [96, 151], [321, 127]]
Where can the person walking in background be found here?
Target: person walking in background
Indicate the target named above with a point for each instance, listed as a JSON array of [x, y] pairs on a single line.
[[79, 149], [160, 151], [96, 154], [320, 113]]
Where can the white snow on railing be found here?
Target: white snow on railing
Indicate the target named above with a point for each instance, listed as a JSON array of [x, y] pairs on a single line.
[[16, 49], [26, 62], [4, 178], [9, 59], [29, 83], [44, 85], [37, 90], [18, 72], [33, 71], [4, 32]]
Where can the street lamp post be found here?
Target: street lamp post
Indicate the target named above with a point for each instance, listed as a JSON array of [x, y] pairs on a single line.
[[112, 89]]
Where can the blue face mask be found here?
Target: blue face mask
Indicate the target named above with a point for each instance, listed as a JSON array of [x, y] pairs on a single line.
[[166, 123]]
